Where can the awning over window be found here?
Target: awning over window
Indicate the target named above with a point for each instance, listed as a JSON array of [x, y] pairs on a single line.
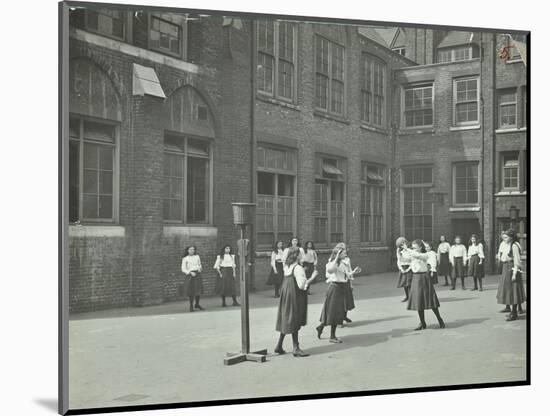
[[331, 170], [146, 82], [374, 177]]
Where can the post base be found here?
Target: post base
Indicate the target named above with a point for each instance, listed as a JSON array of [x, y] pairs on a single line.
[[236, 358]]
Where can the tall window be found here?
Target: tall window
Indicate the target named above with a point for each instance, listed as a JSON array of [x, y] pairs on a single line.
[[276, 67], [186, 193], [418, 106], [372, 203], [510, 171], [276, 196], [466, 183], [417, 202], [462, 53], [373, 91], [507, 109], [105, 21], [92, 146], [329, 76], [328, 213], [466, 101]]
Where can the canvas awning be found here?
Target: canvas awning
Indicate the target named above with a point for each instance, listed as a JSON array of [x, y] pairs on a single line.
[[146, 82], [331, 170]]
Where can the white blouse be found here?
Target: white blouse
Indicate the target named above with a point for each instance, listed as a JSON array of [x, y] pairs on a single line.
[[299, 274], [339, 272], [504, 250], [442, 248], [227, 261], [432, 260], [403, 259], [191, 264], [277, 257], [310, 256], [477, 249], [419, 262], [458, 250]]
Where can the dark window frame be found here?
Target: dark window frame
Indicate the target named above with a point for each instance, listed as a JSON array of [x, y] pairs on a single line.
[[368, 190], [373, 89], [330, 77], [456, 203], [414, 109], [424, 188]]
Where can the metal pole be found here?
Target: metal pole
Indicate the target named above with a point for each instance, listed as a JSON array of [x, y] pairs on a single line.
[[245, 324]]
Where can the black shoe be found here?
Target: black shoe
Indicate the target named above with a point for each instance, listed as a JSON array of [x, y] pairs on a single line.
[[441, 324], [279, 351], [507, 309], [452, 288], [236, 303], [463, 287], [346, 319], [420, 327], [335, 340], [299, 353], [475, 288], [405, 299], [319, 330], [199, 307], [480, 289], [512, 317], [191, 309]]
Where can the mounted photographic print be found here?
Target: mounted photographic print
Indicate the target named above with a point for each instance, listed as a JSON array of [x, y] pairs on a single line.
[[264, 207]]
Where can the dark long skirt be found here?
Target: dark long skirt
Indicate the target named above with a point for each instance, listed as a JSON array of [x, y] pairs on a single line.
[[444, 266], [292, 312], [404, 279], [458, 268], [276, 278], [422, 295], [348, 298], [309, 269], [227, 282], [192, 286], [474, 268], [334, 308], [510, 292]]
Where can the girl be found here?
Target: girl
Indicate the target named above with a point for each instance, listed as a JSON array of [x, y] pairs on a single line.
[[458, 258], [338, 271], [422, 295], [443, 264], [502, 249], [192, 269], [277, 273], [309, 260], [292, 312], [475, 261], [510, 288], [226, 267], [403, 264], [432, 263]]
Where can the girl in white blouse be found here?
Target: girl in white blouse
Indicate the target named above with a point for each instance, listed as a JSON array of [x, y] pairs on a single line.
[[191, 268], [475, 261], [510, 289], [309, 260], [443, 263], [227, 269], [278, 256], [458, 257], [432, 263]]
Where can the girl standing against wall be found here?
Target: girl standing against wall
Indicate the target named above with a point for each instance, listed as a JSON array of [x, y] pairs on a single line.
[[458, 257], [309, 260], [277, 261], [475, 262], [227, 269], [443, 263], [192, 268]]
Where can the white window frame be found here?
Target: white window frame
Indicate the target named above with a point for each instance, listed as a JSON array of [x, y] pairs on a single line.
[[455, 103], [503, 169], [507, 103], [404, 89]]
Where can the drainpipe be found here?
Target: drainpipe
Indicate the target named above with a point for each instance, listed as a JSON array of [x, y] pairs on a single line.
[[482, 121], [494, 153]]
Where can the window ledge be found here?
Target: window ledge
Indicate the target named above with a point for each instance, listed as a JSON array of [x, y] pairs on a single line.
[[511, 130], [464, 209], [460, 128], [511, 193], [331, 117], [373, 128], [190, 231], [411, 130], [373, 248], [282, 103], [100, 230], [514, 61]]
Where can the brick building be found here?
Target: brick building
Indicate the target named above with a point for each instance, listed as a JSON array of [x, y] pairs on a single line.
[[335, 136]]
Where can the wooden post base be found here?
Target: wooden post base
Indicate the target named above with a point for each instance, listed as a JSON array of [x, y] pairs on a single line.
[[236, 358]]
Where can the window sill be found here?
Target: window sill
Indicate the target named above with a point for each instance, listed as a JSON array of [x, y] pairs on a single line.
[[282, 103], [416, 130], [190, 231], [99, 230], [511, 130], [465, 209], [373, 248], [373, 128], [511, 193], [514, 61], [460, 128], [331, 117]]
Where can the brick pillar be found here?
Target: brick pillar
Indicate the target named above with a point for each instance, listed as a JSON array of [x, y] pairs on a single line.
[[147, 223]]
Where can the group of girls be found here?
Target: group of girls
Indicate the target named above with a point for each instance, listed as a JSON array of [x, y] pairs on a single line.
[[225, 266], [446, 261]]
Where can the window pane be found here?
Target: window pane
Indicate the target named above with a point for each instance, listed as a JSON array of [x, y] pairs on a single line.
[[98, 131], [74, 180], [105, 206], [266, 183], [197, 190], [285, 185], [90, 204], [90, 181]]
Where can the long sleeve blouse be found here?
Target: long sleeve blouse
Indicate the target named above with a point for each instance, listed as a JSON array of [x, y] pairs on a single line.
[[310, 256], [504, 254], [458, 250], [191, 264], [419, 261], [338, 272], [278, 256], [432, 260], [442, 248], [228, 260], [477, 249]]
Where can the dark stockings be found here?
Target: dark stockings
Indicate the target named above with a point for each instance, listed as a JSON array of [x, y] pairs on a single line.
[[279, 346], [333, 331], [423, 320], [277, 288], [235, 303], [406, 289]]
